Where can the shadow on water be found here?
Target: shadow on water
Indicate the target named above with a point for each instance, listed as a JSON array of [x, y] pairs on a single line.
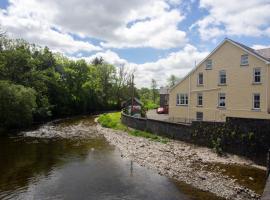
[[88, 168]]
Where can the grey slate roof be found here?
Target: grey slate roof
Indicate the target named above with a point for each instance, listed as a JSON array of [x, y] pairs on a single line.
[[264, 52], [164, 90], [260, 53]]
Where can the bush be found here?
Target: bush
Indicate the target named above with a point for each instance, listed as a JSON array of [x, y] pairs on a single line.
[[150, 105], [17, 104]]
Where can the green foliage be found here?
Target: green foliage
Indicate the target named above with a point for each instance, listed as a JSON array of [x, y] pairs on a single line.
[[149, 105], [17, 105], [62, 87], [217, 145], [113, 120], [146, 95]]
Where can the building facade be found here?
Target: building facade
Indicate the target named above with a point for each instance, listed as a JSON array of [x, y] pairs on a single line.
[[164, 97], [232, 81]]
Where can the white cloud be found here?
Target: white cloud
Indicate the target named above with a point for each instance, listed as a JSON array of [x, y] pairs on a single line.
[[178, 63], [118, 23], [21, 20], [259, 46], [241, 18]]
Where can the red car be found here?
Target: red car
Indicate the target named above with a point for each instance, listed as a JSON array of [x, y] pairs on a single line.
[[162, 110]]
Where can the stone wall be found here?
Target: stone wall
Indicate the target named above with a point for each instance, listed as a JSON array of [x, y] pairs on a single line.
[[246, 137]]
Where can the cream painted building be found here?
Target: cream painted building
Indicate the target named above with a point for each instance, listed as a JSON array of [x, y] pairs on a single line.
[[232, 81]]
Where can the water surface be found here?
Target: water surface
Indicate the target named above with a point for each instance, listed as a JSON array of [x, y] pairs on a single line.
[[50, 166]]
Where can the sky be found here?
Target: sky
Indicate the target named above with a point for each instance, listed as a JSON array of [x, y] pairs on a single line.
[[156, 38]]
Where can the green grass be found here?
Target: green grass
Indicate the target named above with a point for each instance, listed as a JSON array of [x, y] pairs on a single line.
[[113, 121]]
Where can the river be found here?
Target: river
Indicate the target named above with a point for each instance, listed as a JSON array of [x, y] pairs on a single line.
[[69, 160]]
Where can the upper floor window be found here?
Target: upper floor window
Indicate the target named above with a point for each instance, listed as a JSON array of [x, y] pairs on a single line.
[[222, 77], [208, 64], [200, 79], [182, 99], [199, 99], [257, 75], [222, 100], [256, 101], [244, 59]]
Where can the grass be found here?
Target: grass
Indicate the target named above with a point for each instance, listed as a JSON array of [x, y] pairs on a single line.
[[113, 121]]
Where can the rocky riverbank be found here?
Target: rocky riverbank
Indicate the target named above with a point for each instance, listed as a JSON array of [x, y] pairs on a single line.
[[184, 162]]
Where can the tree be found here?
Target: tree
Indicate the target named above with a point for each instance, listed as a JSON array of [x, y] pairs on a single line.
[[123, 83], [154, 89], [97, 61], [17, 105], [172, 80]]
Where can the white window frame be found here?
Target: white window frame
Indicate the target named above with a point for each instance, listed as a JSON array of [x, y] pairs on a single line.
[[197, 119], [244, 60], [221, 100], [182, 99], [222, 72], [198, 99], [254, 75], [208, 64], [253, 101], [198, 79]]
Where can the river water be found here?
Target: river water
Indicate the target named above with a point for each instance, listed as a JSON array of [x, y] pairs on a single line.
[[69, 160]]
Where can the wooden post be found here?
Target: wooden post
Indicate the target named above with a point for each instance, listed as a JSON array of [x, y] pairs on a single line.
[[268, 163]]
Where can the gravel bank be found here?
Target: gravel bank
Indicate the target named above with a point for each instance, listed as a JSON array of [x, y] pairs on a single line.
[[181, 161]]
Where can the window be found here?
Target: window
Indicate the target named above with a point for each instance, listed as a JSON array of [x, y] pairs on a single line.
[[182, 99], [257, 75], [222, 77], [199, 99], [221, 100], [200, 79], [199, 116], [208, 64], [244, 59], [256, 101]]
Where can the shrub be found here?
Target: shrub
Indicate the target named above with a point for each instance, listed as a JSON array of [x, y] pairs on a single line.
[[17, 105]]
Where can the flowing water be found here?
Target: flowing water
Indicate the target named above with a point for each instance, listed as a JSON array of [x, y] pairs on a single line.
[[69, 160]]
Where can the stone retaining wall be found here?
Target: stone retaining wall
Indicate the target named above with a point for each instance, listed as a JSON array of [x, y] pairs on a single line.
[[246, 137]]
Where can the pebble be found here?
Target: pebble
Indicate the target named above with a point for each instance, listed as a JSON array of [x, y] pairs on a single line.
[[162, 158]]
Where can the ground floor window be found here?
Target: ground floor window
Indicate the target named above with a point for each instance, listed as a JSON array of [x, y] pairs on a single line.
[[256, 101], [199, 116], [182, 99]]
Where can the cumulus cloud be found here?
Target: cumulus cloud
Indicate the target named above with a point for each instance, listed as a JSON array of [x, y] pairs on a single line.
[[260, 46], [178, 63], [241, 18], [30, 20], [118, 23]]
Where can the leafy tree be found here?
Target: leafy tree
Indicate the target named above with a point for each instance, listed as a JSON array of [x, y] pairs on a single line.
[[154, 90], [172, 80], [17, 105], [97, 61]]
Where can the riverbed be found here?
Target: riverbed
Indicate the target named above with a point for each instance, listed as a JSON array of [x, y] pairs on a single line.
[[71, 159], [228, 176]]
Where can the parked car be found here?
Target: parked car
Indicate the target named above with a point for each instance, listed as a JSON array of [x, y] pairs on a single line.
[[162, 110]]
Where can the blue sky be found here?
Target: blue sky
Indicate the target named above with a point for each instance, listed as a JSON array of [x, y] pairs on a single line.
[[157, 38]]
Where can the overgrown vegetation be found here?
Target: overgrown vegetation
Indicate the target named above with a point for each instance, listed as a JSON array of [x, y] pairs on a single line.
[[37, 85], [113, 120]]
